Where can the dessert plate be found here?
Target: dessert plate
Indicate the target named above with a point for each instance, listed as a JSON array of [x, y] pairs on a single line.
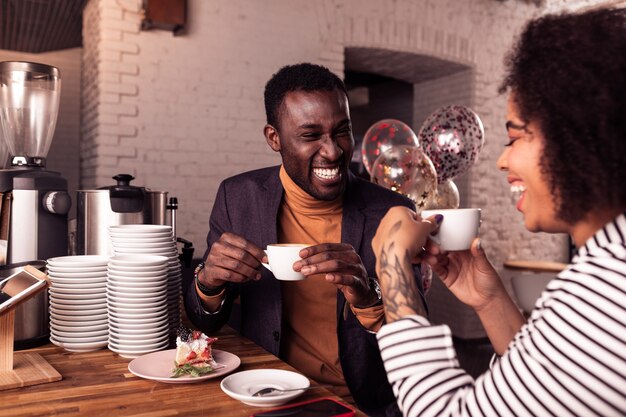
[[158, 366]]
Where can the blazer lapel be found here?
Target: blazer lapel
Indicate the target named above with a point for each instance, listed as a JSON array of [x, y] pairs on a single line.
[[269, 204], [353, 221]]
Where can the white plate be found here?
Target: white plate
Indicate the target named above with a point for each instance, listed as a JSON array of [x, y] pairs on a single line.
[[132, 353], [79, 347], [137, 306], [137, 260], [81, 326], [130, 268], [78, 292], [158, 366], [122, 299], [130, 247], [78, 261], [78, 305], [78, 280], [122, 342], [133, 294], [78, 328], [122, 332], [78, 284], [155, 322], [137, 292], [134, 239], [95, 339], [136, 276], [135, 317], [95, 333], [79, 313], [79, 299], [140, 228], [242, 385]]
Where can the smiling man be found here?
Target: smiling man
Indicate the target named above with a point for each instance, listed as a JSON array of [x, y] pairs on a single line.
[[324, 325]]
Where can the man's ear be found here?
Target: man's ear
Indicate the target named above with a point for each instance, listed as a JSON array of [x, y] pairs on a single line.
[[272, 138]]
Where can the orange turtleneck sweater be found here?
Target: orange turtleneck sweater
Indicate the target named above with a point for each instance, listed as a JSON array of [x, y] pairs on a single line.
[[309, 336]]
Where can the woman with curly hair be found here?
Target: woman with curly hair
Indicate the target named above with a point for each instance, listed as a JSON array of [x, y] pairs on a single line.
[[566, 151]]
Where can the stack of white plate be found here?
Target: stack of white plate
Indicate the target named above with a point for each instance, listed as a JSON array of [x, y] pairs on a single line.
[[78, 304], [150, 239], [137, 304]]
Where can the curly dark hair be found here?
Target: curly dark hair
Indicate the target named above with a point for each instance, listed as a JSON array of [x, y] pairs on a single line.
[[298, 77], [568, 74]]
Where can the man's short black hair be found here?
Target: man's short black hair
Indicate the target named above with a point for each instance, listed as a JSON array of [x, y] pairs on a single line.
[[568, 74], [298, 77]]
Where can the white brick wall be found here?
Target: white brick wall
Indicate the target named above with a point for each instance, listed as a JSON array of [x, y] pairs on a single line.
[[182, 113]]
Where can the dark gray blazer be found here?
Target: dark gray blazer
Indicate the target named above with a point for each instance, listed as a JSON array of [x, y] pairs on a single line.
[[247, 205]]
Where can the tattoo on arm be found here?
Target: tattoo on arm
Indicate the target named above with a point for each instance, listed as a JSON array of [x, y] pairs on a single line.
[[401, 296]]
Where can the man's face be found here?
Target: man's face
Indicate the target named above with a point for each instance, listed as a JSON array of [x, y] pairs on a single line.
[[314, 138]]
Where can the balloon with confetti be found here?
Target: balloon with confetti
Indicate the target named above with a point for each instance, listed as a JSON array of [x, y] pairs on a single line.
[[446, 197], [452, 137], [383, 135], [408, 171]]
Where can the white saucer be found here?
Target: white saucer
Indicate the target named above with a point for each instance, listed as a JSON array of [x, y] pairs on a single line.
[[77, 273], [139, 239], [94, 339], [79, 347], [88, 334], [78, 261], [79, 305], [140, 228], [126, 352], [136, 317], [54, 320], [70, 302], [77, 292], [242, 385], [100, 280], [126, 343], [124, 292], [124, 332], [76, 313], [131, 289], [80, 284]]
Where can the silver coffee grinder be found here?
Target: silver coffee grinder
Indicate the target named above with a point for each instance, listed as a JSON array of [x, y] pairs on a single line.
[[34, 201]]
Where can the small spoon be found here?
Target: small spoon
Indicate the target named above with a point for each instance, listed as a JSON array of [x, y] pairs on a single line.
[[270, 390]]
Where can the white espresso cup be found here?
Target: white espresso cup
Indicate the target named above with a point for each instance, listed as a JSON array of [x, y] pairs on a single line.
[[281, 257], [458, 228]]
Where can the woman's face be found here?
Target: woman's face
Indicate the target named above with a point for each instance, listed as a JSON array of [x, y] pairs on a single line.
[[521, 161]]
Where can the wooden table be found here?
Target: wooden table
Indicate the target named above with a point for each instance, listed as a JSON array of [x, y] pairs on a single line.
[[99, 384]]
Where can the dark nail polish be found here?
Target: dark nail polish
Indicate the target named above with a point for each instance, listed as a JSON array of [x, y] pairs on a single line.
[[439, 218]]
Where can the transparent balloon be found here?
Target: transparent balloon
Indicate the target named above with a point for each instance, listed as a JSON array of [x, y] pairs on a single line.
[[408, 171], [452, 137], [383, 135], [446, 197]]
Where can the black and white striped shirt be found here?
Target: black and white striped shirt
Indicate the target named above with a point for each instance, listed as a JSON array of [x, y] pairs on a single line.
[[568, 360]]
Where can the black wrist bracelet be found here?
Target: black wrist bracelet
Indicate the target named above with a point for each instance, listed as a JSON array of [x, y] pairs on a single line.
[[209, 292]]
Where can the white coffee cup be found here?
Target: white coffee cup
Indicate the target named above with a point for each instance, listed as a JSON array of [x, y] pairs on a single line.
[[281, 257], [458, 228]]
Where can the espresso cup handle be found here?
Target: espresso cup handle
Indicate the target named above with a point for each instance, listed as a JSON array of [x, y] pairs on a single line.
[[264, 264]]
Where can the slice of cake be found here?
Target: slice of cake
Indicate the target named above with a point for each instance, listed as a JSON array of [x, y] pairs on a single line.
[[193, 353]]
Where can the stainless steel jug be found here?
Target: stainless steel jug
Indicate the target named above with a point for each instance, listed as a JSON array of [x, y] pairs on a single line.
[[115, 205]]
